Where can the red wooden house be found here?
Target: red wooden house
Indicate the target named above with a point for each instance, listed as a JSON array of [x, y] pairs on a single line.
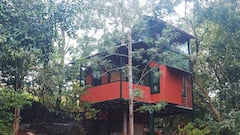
[[166, 79]]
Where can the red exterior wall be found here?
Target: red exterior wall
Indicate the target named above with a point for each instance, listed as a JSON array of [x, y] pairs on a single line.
[[103, 92], [111, 91], [145, 91], [170, 87], [171, 84], [174, 82]]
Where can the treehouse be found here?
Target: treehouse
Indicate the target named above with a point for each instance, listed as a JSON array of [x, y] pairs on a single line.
[[161, 73]]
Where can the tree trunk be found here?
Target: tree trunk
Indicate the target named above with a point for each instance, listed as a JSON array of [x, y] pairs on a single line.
[[130, 84], [16, 121], [210, 103], [212, 107], [62, 53], [17, 110]]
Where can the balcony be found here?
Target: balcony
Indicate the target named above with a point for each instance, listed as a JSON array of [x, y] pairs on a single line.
[[113, 91]]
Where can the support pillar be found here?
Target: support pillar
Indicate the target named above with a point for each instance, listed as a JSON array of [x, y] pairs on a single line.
[[125, 114], [151, 123]]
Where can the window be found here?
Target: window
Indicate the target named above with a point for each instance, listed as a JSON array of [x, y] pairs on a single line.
[[83, 76], [184, 86], [115, 76], [146, 80], [105, 78], [96, 81], [155, 80]]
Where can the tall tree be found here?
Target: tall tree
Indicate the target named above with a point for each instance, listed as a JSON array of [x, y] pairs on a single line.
[[215, 26], [26, 41], [69, 20]]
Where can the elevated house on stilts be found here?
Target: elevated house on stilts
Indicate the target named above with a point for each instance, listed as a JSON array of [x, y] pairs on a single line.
[[165, 77]]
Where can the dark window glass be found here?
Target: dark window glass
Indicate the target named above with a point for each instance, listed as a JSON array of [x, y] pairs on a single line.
[[184, 86], [96, 81], [155, 80]]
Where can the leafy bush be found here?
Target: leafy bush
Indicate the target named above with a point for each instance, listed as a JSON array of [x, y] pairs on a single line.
[[10, 99], [190, 129]]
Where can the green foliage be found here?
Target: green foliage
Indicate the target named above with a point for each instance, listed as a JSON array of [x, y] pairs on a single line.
[[26, 29], [76, 108], [171, 123], [138, 93], [221, 43], [10, 99], [225, 127], [190, 129], [216, 65], [167, 51], [152, 108], [47, 81], [230, 125]]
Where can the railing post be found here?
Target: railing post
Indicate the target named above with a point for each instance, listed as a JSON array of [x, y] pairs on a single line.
[[120, 70]]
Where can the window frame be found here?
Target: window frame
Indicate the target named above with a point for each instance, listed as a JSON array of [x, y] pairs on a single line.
[[152, 83]]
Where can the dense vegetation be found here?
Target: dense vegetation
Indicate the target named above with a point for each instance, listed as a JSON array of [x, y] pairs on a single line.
[[42, 44]]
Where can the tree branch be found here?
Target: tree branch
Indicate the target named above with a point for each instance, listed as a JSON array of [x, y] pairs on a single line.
[[209, 101]]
